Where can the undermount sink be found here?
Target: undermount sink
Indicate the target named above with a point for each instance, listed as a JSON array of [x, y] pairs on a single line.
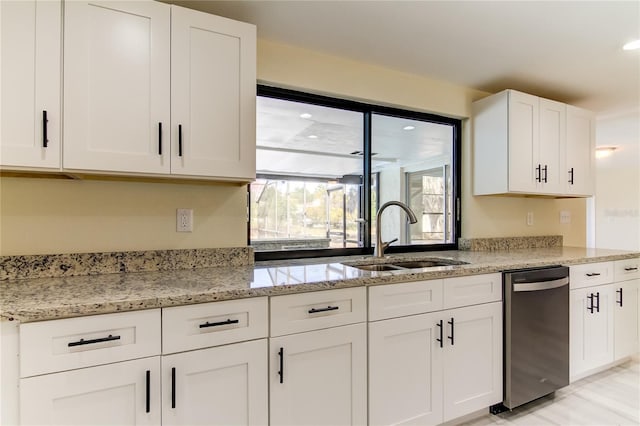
[[403, 265]]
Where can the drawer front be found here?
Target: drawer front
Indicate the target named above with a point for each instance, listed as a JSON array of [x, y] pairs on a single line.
[[590, 274], [628, 269], [212, 324], [296, 313], [472, 290], [398, 300], [66, 344]]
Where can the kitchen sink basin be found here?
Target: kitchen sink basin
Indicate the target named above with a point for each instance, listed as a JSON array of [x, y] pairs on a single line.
[[403, 265]]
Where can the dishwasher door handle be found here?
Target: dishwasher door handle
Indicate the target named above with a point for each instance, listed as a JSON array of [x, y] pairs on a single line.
[[542, 285]]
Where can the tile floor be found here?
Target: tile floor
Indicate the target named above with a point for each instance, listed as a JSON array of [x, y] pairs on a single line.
[[604, 399]]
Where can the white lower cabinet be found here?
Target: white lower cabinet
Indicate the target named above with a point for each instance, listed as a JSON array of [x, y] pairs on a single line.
[[225, 385], [430, 368], [320, 377], [591, 329], [626, 318], [124, 393]]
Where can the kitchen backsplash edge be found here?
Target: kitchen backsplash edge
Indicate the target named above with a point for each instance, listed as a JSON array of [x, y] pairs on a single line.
[[74, 264], [509, 243]]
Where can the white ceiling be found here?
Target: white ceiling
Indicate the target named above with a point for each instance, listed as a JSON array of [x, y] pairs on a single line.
[[569, 51]]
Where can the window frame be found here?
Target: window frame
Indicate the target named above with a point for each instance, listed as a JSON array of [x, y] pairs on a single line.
[[368, 110]]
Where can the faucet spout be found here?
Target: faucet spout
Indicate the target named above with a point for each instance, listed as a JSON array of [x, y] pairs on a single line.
[[381, 246]]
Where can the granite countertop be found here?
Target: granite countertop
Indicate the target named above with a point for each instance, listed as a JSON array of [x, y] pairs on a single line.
[[37, 299]]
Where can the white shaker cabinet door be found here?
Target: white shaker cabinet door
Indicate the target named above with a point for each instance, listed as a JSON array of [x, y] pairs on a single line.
[[226, 385], [405, 370], [124, 393], [472, 359], [117, 86], [30, 84], [580, 152], [523, 119], [626, 318], [319, 377], [213, 91], [552, 146]]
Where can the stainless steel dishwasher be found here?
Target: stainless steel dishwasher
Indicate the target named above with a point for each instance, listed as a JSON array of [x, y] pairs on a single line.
[[536, 334]]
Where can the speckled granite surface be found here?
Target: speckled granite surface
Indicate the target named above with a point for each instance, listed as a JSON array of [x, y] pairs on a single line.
[[50, 298], [509, 243], [69, 265]]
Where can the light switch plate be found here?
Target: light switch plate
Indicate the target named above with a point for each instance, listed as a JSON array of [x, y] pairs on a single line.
[[184, 220], [565, 216]]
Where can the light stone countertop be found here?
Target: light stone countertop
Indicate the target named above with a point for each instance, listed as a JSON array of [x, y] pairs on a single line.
[[40, 299]]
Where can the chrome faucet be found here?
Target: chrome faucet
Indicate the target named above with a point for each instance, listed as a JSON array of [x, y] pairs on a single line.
[[380, 246]]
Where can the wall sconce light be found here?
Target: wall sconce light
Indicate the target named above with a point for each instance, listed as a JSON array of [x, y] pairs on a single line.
[[604, 151]]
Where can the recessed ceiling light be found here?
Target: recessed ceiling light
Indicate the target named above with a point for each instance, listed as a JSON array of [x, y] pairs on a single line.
[[305, 115], [313, 137], [604, 151], [408, 127], [632, 45]]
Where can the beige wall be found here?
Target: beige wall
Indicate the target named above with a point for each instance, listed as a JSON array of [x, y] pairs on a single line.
[[58, 216]]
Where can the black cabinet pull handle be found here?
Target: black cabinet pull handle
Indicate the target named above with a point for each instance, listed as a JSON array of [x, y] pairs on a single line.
[[538, 173], [179, 140], [598, 301], [281, 371], [45, 139], [216, 324], [619, 302], [173, 387], [159, 138], [440, 325], [590, 307], [545, 173], [631, 269], [328, 308], [91, 341], [593, 274], [148, 396], [571, 176], [452, 326]]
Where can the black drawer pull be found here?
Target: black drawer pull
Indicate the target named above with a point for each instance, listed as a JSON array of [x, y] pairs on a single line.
[[544, 169], [590, 307], [281, 372], [173, 387], [619, 302], [45, 138], [148, 396], [328, 308], [631, 269], [216, 324], [91, 341], [571, 176], [159, 138], [593, 274], [179, 140], [451, 337], [440, 325], [539, 173], [598, 301]]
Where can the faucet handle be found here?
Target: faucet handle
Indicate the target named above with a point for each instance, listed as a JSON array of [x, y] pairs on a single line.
[[388, 243]]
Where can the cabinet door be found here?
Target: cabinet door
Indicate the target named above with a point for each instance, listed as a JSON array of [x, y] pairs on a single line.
[[591, 330], [116, 86], [523, 142], [473, 359], [124, 393], [213, 95], [405, 370], [225, 385], [580, 152], [30, 83], [626, 318], [552, 146], [319, 377]]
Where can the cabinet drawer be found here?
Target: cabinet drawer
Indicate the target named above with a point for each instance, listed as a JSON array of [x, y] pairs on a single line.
[[212, 324], [472, 290], [590, 274], [296, 313], [628, 269], [398, 300], [72, 343]]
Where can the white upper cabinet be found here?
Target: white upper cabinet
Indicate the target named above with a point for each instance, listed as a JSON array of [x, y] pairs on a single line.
[[213, 91], [30, 85], [116, 86], [580, 153], [524, 144]]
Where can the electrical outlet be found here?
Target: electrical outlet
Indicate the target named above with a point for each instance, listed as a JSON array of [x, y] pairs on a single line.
[[530, 218], [565, 216], [184, 220]]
